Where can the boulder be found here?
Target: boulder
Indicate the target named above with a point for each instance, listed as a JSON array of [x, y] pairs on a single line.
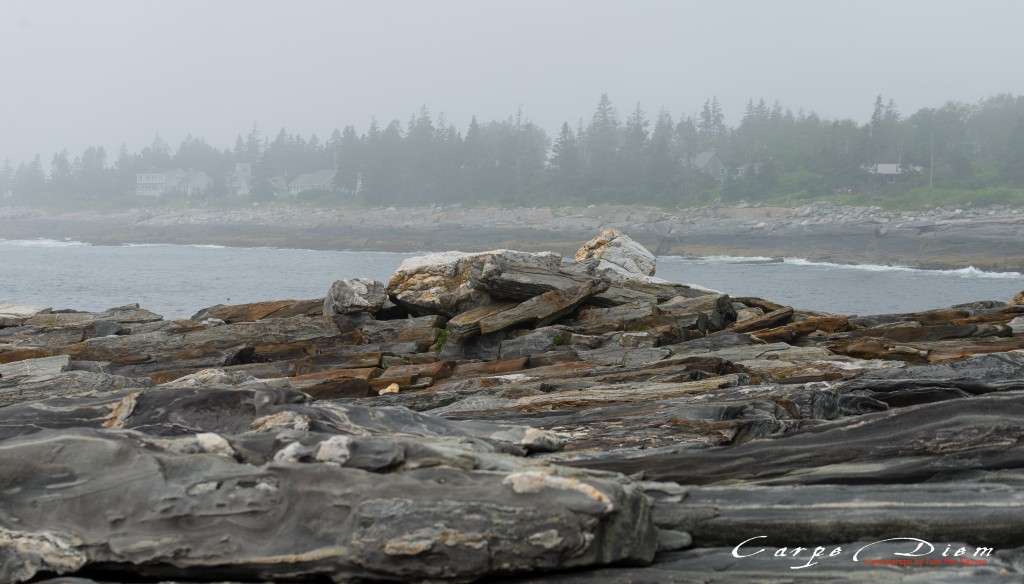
[[1017, 325], [499, 278], [16, 315], [355, 296], [1018, 299], [35, 367], [440, 283], [626, 257]]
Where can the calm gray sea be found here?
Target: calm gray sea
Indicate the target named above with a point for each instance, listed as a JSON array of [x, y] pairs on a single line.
[[178, 280]]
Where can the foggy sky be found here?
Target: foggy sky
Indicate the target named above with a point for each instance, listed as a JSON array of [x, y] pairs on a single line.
[[75, 74]]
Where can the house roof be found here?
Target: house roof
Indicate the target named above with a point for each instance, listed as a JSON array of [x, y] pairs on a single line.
[[313, 179], [704, 158], [199, 178]]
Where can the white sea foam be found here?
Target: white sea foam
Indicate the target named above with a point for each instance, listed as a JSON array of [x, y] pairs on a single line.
[[968, 272], [41, 243], [717, 259], [725, 259], [196, 245]]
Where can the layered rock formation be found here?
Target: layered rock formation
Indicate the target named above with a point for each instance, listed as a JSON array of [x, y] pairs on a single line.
[[514, 416]]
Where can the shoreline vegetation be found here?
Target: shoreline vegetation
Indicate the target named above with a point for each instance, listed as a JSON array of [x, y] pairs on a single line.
[[512, 415], [989, 238], [957, 154]]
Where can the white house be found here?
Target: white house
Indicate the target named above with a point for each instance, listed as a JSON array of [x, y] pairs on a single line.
[[240, 181], [175, 181], [321, 180], [888, 172]]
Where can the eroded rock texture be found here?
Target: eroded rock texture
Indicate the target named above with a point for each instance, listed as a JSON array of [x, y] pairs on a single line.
[[511, 416]]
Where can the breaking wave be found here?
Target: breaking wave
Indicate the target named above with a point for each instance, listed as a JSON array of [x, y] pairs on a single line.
[[41, 243], [968, 272]]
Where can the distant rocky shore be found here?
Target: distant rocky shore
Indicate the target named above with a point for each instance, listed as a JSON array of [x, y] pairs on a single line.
[[990, 238], [514, 416]]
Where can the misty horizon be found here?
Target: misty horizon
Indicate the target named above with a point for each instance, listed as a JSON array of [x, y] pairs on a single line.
[[443, 121], [84, 77]]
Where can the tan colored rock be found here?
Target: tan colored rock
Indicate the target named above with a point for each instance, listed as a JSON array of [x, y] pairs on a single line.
[[615, 247], [12, 353], [440, 283], [393, 388], [16, 315], [261, 310], [1018, 299]]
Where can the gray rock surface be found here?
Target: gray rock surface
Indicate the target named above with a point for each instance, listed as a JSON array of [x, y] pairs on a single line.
[[536, 424], [354, 296]]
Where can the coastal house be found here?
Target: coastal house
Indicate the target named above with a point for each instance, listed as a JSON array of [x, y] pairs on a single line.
[[880, 174], [321, 180], [710, 163], [747, 169], [177, 181], [240, 181]]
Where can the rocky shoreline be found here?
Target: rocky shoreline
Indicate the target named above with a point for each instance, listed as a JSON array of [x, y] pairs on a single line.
[[990, 238], [513, 416]]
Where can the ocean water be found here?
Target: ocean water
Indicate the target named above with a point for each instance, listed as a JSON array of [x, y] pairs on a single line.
[[178, 280]]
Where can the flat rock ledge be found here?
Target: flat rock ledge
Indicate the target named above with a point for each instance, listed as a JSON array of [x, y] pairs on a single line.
[[515, 417]]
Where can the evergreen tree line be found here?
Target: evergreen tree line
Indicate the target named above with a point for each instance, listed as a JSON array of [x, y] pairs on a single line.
[[609, 159]]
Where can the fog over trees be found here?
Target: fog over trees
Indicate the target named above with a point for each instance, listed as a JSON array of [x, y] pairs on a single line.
[[618, 154]]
